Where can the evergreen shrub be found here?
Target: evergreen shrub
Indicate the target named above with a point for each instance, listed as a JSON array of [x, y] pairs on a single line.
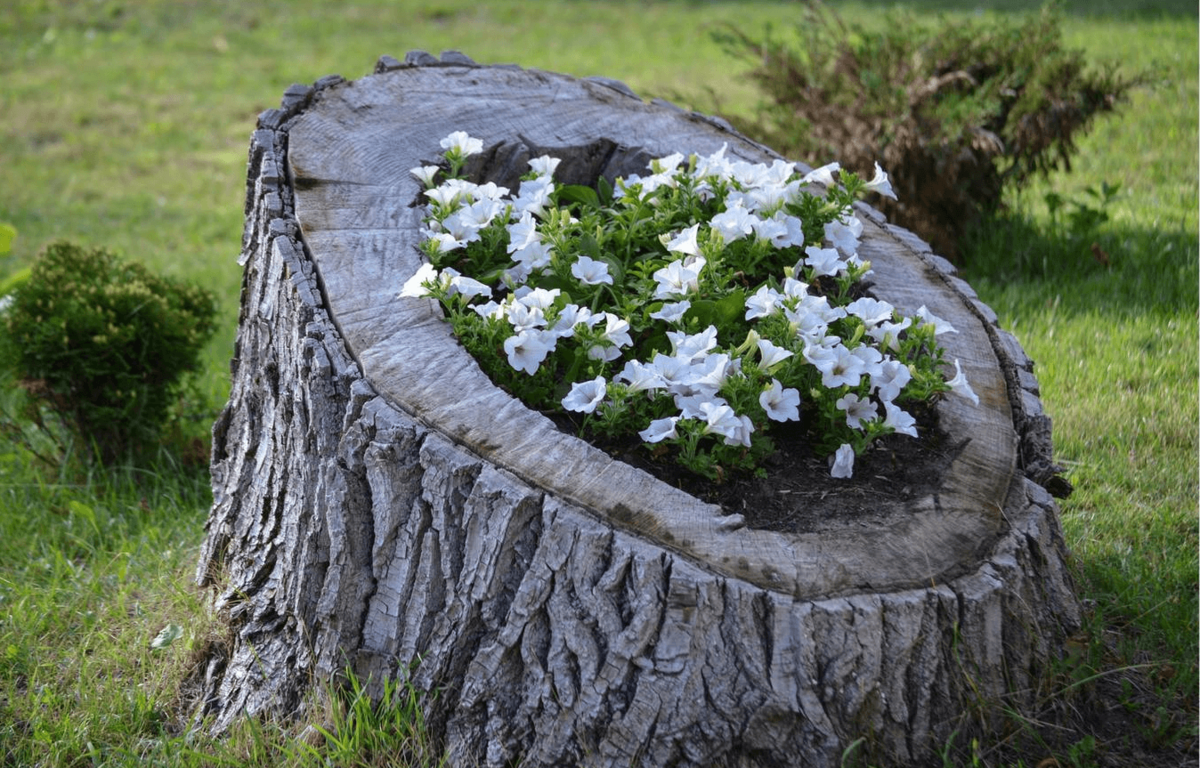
[[104, 344]]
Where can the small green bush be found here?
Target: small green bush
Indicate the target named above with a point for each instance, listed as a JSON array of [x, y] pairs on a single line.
[[953, 111], [104, 344]]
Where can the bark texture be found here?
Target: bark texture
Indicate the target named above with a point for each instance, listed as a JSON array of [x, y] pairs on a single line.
[[379, 505]]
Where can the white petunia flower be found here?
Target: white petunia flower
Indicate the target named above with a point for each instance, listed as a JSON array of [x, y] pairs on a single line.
[[742, 437], [414, 287], [733, 223], [616, 336], [709, 373], [871, 358], [461, 227], [871, 311], [444, 242], [523, 317], [770, 229], [772, 355], [844, 235], [490, 310], [842, 462], [444, 196], [462, 143], [880, 183], [534, 195], [764, 303], [489, 191], [640, 377], [824, 261], [857, 411], [659, 430], [822, 175], [688, 347], [838, 367], [591, 272], [480, 213], [720, 419], [673, 312], [667, 164], [677, 280], [792, 233], [940, 326], [960, 386], [544, 165], [425, 174], [522, 233], [809, 327], [779, 403], [899, 420], [715, 164], [532, 257], [569, 317], [887, 334], [469, 287], [890, 379], [528, 349], [795, 289], [820, 306], [585, 395], [685, 242], [537, 298], [674, 372]]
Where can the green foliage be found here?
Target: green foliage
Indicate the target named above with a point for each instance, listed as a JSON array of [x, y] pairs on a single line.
[[104, 344], [953, 110], [365, 731]]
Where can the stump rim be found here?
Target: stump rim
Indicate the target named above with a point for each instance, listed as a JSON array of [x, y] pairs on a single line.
[[796, 564]]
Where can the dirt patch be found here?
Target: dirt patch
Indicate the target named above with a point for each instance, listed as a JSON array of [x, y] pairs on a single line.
[[797, 495]]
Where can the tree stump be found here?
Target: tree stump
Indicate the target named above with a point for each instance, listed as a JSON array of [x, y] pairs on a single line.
[[381, 506]]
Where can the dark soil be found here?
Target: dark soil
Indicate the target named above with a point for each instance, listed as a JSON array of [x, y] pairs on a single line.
[[797, 495]]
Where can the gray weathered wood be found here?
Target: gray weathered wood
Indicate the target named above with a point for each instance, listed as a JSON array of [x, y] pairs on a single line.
[[379, 503]]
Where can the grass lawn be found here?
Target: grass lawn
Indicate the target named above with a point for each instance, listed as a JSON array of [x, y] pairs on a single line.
[[126, 124]]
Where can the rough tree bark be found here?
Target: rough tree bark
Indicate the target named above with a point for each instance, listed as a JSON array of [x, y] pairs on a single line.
[[380, 505]]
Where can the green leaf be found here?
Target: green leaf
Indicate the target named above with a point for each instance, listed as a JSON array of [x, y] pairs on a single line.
[[166, 636], [725, 313], [577, 193], [732, 309], [13, 281], [79, 509], [616, 267], [606, 191], [588, 246], [8, 233], [703, 313]]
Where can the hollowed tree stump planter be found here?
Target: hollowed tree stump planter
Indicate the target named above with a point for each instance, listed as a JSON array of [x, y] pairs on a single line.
[[381, 506]]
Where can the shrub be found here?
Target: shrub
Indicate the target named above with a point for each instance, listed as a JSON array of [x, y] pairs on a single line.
[[953, 111], [104, 344]]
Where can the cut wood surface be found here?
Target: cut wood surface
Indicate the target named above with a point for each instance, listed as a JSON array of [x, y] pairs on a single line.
[[378, 502]]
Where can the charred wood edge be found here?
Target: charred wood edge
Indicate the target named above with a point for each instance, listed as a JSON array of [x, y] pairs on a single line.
[[1030, 557]]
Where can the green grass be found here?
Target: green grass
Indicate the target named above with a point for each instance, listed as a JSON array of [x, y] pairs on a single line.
[[127, 124]]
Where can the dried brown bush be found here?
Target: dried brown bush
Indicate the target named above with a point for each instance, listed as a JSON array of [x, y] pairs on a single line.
[[952, 111]]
